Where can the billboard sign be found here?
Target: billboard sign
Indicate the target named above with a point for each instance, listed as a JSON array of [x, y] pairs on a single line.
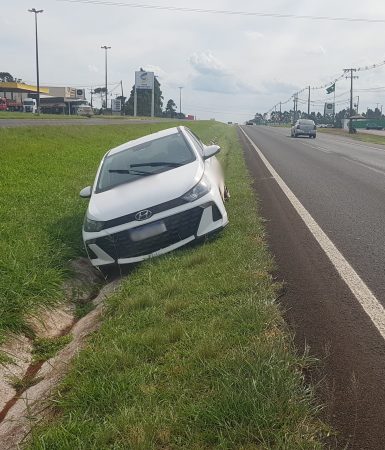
[[144, 80], [116, 105], [329, 109]]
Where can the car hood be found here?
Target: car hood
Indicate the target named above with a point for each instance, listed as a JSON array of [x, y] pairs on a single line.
[[144, 192]]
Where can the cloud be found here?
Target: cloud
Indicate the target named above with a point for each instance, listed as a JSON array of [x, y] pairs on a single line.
[[316, 51], [279, 87], [207, 64], [159, 72], [92, 68], [214, 76], [254, 35]]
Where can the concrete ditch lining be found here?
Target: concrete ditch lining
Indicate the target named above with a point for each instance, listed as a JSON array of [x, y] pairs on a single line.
[[29, 407]]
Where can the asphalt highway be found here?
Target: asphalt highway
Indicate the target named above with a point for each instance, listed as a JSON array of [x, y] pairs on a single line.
[[341, 183]]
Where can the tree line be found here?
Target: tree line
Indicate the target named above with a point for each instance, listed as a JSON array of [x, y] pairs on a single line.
[[288, 116]]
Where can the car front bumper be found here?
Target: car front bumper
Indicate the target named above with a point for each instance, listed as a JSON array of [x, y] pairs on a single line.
[[179, 226]]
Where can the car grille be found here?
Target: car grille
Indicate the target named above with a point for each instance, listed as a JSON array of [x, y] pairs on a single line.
[[179, 226]]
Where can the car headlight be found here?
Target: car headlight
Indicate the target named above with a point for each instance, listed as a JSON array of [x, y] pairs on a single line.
[[92, 225], [198, 191]]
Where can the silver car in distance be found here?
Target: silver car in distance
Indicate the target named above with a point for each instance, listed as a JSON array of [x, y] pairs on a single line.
[[153, 195]]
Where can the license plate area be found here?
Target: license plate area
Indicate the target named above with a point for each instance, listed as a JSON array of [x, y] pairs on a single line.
[[147, 231]]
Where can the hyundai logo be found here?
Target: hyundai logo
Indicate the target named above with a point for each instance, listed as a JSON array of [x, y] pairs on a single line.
[[143, 215]]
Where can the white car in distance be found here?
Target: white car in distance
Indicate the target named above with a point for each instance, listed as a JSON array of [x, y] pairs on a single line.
[[153, 195]]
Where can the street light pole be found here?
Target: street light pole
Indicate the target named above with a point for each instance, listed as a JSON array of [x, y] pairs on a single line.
[[105, 61], [180, 99], [36, 12]]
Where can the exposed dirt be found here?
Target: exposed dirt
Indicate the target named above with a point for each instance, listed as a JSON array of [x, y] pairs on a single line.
[[25, 385]]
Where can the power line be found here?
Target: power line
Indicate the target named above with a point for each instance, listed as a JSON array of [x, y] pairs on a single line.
[[225, 12]]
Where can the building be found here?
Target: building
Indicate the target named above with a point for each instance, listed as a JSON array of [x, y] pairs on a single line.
[[19, 91], [53, 99], [62, 100]]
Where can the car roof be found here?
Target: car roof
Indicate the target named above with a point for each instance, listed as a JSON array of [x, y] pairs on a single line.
[[144, 139]]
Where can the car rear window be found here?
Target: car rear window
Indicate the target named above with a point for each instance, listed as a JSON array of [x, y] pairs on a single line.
[[146, 159], [306, 122]]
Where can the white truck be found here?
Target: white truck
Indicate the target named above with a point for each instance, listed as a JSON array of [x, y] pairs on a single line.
[[29, 105]]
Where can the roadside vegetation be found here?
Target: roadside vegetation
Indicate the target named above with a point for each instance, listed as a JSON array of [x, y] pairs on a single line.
[[364, 137], [25, 115], [193, 352], [41, 212]]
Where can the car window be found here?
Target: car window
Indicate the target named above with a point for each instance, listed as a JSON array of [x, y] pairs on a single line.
[[145, 159], [196, 141], [306, 122]]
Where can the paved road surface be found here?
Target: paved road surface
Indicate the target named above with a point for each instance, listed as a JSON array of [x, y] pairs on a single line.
[[342, 184], [10, 123]]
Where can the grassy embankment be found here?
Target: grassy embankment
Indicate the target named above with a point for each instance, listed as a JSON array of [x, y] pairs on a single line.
[[193, 352], [41, 213], [364, 137], [24, 115]]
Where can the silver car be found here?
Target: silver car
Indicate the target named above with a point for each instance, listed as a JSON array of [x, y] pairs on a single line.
[[304, 127]]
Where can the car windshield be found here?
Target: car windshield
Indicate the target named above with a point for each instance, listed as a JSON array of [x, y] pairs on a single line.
[[145, 159]]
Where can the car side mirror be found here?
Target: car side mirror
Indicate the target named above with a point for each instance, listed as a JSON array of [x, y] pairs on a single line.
[[86, 192], [210, 150]]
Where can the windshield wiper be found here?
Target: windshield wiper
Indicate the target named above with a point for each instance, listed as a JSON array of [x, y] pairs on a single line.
[[132, 172], [157, 164]]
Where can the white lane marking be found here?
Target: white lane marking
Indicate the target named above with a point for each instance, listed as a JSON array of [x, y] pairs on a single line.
[[360, 290]]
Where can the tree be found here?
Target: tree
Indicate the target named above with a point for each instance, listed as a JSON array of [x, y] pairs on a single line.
[[144, 101], [344, 114], [102, 92], [6, 77], [170, 109]]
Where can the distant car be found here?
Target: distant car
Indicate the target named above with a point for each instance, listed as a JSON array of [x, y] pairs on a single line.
[[304, 127], [249, 122], [153, 195], [85, 110], [329, 125], [374, 126]]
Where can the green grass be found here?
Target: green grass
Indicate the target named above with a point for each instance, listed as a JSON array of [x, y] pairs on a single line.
[[45, 348], [193, 352], [364, 137], [23, 115], [43, 170]]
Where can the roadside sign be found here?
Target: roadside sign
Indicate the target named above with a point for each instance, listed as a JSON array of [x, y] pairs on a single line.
[[116, 105], [144, 80]]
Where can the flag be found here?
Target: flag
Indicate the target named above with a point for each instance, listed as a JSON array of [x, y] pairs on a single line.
[[331, 88]]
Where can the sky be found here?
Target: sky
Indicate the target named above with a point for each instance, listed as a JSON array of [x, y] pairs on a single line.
[[230, 66]]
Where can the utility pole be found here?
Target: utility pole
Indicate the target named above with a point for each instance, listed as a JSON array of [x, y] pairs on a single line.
[[180, 99], [351, 97], [105, 63], [308, 104], [295, 106], [36, 12], [92, 93], [280, 112], [122, 101]]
